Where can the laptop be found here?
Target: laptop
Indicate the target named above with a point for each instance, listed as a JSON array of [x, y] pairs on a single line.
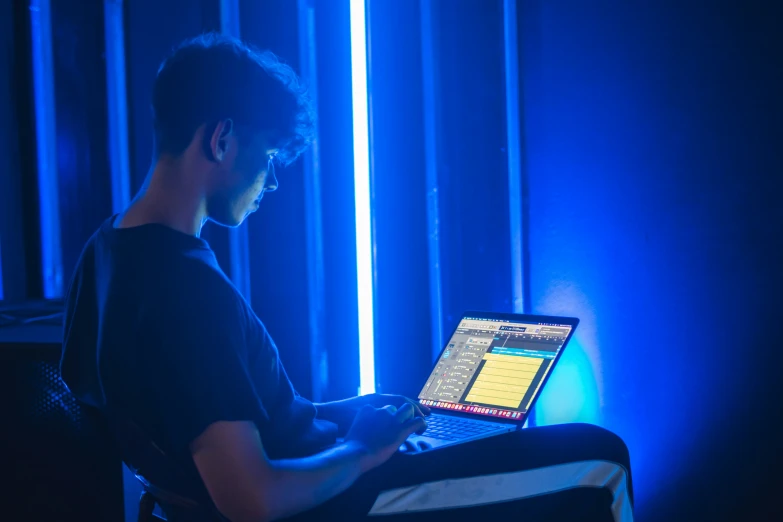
[[488, 376]]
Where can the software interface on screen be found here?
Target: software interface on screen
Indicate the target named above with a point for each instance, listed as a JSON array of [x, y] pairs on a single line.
[[493, 367]]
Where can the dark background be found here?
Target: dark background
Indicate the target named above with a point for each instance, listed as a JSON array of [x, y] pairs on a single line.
[[652, 174]]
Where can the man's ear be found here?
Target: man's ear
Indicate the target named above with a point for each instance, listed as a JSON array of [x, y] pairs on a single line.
[[218, 142]]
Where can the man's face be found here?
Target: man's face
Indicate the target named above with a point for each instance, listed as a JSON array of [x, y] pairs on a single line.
[[241, 179]]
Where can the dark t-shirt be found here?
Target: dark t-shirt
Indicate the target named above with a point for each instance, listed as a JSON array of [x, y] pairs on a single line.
[[156, 332]]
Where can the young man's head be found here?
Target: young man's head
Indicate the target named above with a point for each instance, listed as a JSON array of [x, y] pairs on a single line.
[[229, 113]]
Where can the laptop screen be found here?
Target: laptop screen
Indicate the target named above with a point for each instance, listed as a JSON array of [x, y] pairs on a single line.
[[494, 367]]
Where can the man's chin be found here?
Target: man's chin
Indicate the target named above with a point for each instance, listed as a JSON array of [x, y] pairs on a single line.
[[229, 222], [234, 219]]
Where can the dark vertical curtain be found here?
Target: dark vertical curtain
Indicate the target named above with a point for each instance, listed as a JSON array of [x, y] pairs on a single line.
[[12, 252], [83, 171], [473, 169]]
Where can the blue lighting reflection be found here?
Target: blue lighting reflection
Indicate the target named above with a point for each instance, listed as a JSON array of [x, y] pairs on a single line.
[[571, 394]]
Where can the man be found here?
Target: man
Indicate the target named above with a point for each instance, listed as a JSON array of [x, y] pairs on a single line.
[[155, 333]]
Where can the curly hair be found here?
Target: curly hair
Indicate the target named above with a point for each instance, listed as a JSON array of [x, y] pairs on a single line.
[[214, 77]]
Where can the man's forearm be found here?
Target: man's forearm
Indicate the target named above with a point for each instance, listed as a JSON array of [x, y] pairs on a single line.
[[300, 484]]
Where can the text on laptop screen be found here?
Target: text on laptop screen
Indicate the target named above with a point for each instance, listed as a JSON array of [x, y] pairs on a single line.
[[493, 367]]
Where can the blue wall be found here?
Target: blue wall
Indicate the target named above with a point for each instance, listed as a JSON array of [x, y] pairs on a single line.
[[654, 165]]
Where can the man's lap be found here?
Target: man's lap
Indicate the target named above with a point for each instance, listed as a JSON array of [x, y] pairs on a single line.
[[577, 466]]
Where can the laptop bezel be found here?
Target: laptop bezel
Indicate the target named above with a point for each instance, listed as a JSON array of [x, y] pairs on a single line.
[[573, 322]]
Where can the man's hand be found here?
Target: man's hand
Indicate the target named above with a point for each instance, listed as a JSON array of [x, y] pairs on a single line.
[[344, 412], [381, 431]]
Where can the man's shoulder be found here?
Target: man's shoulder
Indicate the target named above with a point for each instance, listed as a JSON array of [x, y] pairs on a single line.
[[190, 289], [192, 275]]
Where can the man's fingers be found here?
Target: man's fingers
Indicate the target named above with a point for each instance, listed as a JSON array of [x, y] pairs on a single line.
[[421, 409], [407, 411], [401, 400], [415, 425], [365, 410]]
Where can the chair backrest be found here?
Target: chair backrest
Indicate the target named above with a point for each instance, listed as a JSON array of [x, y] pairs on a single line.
[[57, 458], [180, 495]]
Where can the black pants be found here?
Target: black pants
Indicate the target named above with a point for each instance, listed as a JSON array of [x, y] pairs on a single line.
[[566, 472]]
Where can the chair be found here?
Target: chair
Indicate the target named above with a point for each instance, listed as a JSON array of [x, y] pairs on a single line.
[[59, 461], [181, 496]]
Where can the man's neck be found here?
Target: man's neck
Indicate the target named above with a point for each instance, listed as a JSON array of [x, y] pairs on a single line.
[[172, 195]]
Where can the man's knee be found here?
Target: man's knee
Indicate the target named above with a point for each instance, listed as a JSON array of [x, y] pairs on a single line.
[[598, 436], [580, 441]]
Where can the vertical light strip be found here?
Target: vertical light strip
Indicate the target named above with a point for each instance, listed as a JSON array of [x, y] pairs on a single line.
[[429, 76], [238, 248], [514, 147], [119, 157], [46, 147], [319, 370], [362, 199]]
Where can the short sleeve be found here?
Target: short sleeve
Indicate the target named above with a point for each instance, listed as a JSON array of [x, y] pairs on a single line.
[[202, 374]]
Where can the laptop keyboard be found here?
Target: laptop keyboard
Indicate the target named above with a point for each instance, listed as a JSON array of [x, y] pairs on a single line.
[[445, 427]]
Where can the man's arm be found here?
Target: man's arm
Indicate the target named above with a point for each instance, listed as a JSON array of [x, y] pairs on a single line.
[[247, 487], [342, 412]]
